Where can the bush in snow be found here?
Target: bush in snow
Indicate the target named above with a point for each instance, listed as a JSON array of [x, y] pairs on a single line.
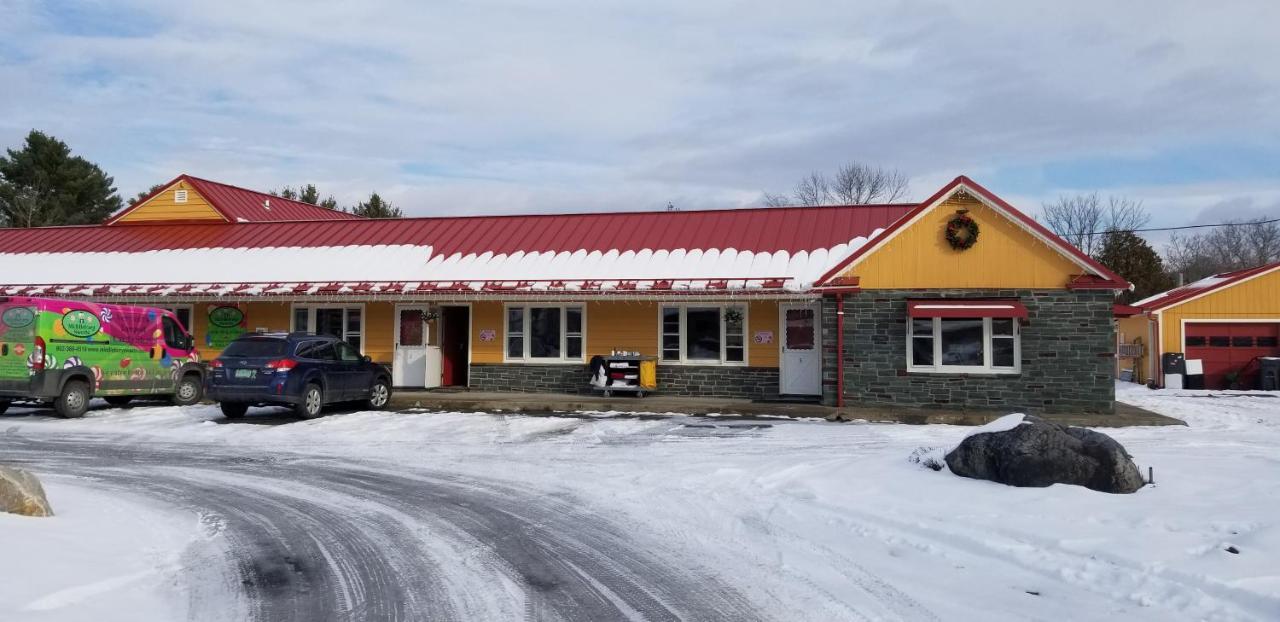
[[933, 458]]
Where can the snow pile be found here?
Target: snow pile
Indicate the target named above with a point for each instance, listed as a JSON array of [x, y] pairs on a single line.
[[824, 521]]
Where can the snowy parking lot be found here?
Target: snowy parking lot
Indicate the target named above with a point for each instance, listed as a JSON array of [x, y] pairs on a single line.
[[170, 513]]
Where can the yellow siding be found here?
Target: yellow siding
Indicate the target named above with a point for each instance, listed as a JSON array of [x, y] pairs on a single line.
[[622, 325], [487, 315], [379, 331], [1255, 299], [273, 316], [763, 316], [1135, 329], [163, 207], [1005, 256]]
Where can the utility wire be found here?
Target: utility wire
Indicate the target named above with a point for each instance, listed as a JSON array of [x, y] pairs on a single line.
[[1221, 224]]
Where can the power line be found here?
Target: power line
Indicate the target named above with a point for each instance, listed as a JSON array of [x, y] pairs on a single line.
[[1221, 224]]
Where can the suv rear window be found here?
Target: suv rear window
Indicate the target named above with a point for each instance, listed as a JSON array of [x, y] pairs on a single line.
[[255, 348]]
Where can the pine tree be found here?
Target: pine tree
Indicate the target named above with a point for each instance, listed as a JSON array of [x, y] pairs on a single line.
[[43, 185], [375, 207], [144, 194], [1130, 256]]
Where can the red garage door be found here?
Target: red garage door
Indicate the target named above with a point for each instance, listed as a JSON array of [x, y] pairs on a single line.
[[1228, 347]]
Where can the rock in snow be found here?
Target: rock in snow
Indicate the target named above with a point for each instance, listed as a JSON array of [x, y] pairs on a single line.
[[21, 493], [1039, 453]]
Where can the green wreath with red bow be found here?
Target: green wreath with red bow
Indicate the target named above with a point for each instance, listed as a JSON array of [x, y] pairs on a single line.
[[962, 232]]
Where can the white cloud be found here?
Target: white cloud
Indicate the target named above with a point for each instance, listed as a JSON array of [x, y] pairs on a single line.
[[521, 106]]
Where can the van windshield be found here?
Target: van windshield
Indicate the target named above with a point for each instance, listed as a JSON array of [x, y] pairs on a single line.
[[255, 348]]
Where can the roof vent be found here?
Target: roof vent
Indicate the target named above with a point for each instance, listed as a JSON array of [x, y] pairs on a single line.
[[179, 196], [266, 204]]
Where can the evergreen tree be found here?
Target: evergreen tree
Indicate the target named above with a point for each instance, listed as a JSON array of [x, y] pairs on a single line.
[[330, 203], [144, 194], [375, 207], [286, 193], [1131, 257], [42, 185], [307, 194]]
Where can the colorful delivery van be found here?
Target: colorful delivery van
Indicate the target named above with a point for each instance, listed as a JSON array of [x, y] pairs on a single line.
[[65, 352]]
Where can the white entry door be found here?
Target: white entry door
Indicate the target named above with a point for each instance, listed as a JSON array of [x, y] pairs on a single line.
[[409, 369], [801, 367]]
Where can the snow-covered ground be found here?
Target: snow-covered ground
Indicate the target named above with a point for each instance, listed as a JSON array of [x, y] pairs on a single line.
[[806, 520]]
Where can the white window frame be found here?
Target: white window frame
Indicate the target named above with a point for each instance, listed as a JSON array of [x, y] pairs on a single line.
[[525, 338], [684, 310], [191, 315], [987, 350], [346, 333]]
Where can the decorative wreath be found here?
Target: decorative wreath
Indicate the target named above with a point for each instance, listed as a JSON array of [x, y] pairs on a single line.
[[962, 232]]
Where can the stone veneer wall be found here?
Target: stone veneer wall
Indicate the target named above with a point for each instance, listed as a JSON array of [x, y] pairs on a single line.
[[1067, 355], [689, 380]]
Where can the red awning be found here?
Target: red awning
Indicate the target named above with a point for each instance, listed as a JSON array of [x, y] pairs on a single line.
[[966, 308]]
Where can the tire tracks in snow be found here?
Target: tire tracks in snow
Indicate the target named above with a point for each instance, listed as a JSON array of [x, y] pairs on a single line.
[[310, 539]]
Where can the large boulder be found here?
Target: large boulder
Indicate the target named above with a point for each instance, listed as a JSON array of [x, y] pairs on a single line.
[[1038, 453], [21, 493]]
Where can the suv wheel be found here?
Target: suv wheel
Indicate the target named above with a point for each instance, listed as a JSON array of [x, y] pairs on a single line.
[[379, 395], [73, 401], [312, 402], [233, 410], [189, 390]]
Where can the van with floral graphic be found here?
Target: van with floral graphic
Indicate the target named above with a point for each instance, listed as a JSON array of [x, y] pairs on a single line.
[[65, 352]]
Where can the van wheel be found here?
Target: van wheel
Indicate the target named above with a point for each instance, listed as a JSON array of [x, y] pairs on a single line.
[[119, 400], [233, 410], [189, 390], [312, 402], [74, 400], [379, 395]]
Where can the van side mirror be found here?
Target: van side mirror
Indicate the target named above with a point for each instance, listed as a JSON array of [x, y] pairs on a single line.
[[366, 358]]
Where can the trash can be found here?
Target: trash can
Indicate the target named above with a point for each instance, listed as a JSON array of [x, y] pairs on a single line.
[[1174, 365], [1269, 373]]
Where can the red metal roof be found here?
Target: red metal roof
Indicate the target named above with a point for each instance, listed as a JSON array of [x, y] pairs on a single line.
[[1109, 279], [792, 229], [240, 205], [1203, 286]]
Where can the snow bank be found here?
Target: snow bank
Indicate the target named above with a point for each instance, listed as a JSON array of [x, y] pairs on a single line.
[[101, 558]]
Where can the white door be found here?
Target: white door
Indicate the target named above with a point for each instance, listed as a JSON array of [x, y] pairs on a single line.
[[409, 368], [801, 370]]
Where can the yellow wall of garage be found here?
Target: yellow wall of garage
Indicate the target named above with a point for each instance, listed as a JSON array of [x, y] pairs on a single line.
[[1005, 255], [1255, 299], [1135, 329], [163, 207]]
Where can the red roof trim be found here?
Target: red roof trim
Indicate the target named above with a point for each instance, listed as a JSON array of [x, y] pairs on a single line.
[[1120, 310], [1116, 282], [216, 194], [966, 307], [1182, 294]]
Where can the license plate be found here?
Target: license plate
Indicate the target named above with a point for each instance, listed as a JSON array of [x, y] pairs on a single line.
[[246, 373]]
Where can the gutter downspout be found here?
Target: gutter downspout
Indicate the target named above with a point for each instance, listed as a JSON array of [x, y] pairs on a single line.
[[1157, 370], [839, 350]]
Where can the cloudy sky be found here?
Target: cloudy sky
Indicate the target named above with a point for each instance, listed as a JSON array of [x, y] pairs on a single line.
[[516, 106]]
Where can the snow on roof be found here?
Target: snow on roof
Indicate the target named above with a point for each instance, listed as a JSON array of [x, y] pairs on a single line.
[[1200, 287], [784, 249]]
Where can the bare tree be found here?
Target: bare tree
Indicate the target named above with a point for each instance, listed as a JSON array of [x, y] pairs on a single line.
[[1083, 219], [1235, 246], [858, 183], [853, 184]]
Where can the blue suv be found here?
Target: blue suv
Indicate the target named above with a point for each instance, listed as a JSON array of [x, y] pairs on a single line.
[[302, 371]]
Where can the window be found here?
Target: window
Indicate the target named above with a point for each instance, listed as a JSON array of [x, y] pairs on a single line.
[[346, 353], [963, 345], [548, 333], [183, 313], [1267, 342], [704, 334], [1242, 342], [173, 335], [1193, 342], [345, 323], [1220, 341]]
